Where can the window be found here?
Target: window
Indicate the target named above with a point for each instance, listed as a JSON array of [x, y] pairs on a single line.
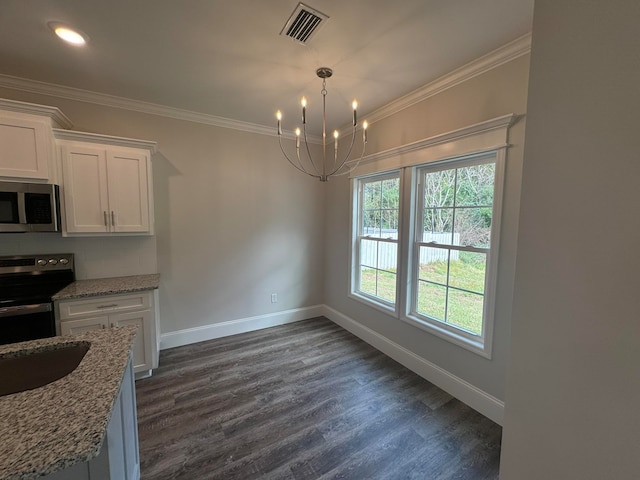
[[452, 247], [426, 230], [376, 239], [451, 259]]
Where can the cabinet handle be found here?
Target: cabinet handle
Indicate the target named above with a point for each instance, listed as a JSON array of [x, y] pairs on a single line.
[[106, 221], [108, 306], [113, 218]]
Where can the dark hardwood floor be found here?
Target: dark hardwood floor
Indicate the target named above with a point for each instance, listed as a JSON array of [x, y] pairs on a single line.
[[306, 400]]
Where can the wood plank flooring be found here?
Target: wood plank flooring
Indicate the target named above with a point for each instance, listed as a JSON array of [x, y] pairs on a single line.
[[306, 400]]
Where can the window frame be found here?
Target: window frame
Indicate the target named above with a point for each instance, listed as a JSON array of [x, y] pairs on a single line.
[[480, 344], [356, 238]]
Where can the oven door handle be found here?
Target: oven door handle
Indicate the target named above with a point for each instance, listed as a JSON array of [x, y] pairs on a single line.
[[24, 309]]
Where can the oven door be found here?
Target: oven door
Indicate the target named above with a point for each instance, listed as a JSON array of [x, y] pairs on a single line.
[[26, 322]]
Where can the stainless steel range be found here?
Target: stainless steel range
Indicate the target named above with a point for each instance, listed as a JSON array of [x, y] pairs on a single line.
[[27, 283]]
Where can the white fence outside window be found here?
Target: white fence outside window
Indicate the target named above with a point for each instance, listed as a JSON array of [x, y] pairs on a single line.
[[387, 252]]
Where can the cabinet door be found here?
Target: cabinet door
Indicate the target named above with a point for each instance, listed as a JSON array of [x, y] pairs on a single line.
[[85, 189], [128, 191], [71, 327], [142, 346], [26, 148]]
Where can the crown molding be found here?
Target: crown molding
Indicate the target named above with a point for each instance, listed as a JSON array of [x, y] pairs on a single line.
[[72, 135], [512, 50], [60, 91], [500, 56], [43, 88], [59, 118]]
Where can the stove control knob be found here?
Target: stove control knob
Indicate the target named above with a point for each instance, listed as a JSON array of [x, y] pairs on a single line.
[[53, 261], [63, 261], [42, 262]]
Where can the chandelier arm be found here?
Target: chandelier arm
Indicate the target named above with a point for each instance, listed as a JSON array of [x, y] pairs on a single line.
[[301, 168], [306, 145], [338, 168], [350, 169]]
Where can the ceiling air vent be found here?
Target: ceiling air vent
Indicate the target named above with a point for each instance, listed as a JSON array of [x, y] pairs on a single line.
[[303, 23]]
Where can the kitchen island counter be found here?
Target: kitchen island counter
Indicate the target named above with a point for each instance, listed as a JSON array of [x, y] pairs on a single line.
[[63, 423], [108, 286]]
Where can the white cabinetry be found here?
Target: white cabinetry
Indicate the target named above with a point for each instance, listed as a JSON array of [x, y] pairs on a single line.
[[119, 458], [94, 313], [27, 152], [107, 184]]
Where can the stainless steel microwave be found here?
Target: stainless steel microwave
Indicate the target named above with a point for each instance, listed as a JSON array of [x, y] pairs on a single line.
[[29, 207]]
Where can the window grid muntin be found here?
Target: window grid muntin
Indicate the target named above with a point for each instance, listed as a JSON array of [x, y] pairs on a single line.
[[421, 207]]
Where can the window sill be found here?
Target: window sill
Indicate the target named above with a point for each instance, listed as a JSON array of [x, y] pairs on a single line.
[[370, 302], [478, 346]]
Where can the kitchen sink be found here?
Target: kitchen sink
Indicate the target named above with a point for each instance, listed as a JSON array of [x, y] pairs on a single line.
[[39, 368]]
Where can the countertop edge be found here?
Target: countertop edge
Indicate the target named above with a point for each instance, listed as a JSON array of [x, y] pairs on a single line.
[[108, 286]]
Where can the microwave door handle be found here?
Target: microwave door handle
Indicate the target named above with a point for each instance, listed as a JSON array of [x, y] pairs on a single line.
[[22, 211]]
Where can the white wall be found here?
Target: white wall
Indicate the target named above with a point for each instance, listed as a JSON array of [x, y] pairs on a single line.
[[498, 92], [574, 381], [234, 221]]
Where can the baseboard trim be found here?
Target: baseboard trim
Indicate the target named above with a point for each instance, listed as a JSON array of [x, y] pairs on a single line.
[[486, 404], [233, 327]]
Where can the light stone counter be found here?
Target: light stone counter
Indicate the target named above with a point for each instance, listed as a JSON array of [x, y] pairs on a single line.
[[55, 426], [108, 286]]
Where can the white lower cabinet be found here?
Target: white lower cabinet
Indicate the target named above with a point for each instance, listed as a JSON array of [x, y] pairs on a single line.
[[94, 313], [119, 458]]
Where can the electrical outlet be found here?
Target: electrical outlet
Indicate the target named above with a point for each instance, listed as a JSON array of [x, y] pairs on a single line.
[[274, 298]]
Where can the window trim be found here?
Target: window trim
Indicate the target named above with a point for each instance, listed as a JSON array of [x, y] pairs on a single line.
[[480, 344]]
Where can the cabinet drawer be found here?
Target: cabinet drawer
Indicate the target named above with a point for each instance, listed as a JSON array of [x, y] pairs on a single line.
[[104, 305]]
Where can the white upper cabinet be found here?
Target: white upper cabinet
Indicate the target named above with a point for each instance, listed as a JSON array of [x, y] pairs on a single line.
[[107, 184], [26, 140], [128, 183]]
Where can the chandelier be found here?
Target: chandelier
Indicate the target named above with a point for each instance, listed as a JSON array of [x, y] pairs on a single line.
[[324, 168]]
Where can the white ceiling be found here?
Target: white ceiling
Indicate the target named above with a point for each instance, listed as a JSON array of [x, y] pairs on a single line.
[[227, 57]]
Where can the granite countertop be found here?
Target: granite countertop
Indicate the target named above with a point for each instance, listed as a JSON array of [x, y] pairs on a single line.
[[108, 286], [52, 427]]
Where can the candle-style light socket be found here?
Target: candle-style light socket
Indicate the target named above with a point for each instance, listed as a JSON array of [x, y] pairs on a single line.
[[303, 102], [355, 115]]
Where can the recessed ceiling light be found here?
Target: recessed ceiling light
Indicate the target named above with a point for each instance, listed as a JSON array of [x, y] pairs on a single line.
[[68, 34]]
